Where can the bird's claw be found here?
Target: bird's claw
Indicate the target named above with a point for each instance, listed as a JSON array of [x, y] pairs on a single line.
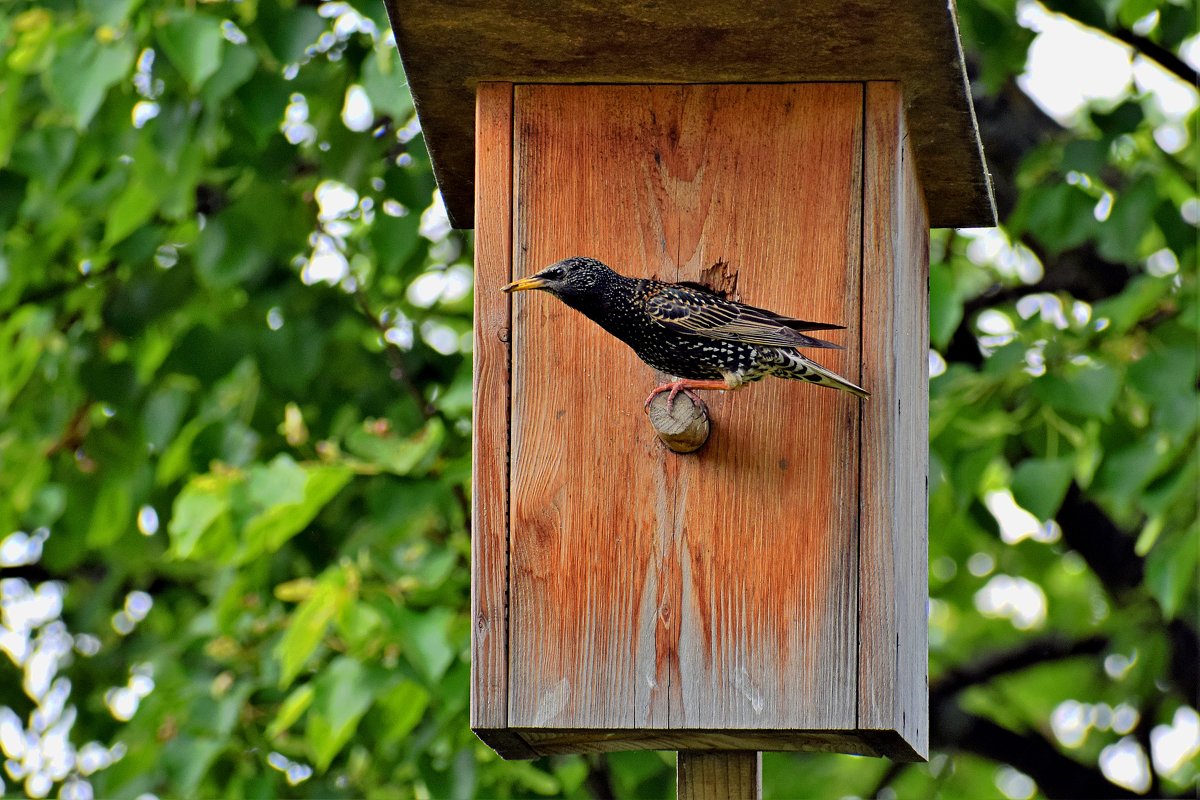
[[674, 388]]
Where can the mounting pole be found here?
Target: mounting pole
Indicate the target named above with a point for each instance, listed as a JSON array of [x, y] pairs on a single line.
[[718, 775]]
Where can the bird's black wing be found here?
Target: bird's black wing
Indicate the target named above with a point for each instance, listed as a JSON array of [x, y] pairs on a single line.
[[685, 310]]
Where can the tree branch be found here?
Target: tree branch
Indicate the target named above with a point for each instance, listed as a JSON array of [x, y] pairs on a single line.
[[1110, 554], [1055, 774], [1108, 551], [992, 665], [395, 356], [55, 291], [1156, 53]]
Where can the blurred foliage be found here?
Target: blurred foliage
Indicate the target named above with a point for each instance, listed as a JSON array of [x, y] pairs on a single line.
[[235, 427]]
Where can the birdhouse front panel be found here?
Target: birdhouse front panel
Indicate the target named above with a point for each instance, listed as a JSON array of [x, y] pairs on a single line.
[[647, 590], [626, 596]]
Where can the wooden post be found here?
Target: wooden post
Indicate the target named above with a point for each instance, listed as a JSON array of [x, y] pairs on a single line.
[[718, 775]]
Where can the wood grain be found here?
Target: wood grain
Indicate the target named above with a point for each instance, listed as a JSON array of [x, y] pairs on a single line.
[[715, 591], [447, 47], [893, 691], [558, 741], [718, 775], [490, 397]]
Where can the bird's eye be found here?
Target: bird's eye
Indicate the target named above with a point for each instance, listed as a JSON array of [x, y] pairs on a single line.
[[555, 273]]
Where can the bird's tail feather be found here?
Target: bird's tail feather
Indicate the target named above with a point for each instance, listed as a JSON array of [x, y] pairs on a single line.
[[801, 368]]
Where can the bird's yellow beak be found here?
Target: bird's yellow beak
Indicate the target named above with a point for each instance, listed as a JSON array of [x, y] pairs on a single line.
[[532, 282]]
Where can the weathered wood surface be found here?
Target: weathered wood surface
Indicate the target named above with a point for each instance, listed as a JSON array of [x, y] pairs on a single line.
[[489, 445], [721, 775], [558, 741], [719, 590], [448, 47], [893, 666], [683, 425]]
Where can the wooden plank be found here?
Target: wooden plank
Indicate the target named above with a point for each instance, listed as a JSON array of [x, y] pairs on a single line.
[[893, 693], [716, 591], [446, 48], [552, 741], [507, 742], [766, 516], [718, 775], [489, 443]]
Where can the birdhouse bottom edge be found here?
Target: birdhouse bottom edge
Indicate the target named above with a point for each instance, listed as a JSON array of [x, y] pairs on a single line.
[[526, 743]]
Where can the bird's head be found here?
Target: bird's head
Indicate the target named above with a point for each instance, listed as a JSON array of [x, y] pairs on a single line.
[[570, 279]]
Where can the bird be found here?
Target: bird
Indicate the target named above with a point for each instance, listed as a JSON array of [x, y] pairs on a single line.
[[687, 330]]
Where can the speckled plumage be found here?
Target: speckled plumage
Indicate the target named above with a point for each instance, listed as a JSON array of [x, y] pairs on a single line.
[[687, 330]]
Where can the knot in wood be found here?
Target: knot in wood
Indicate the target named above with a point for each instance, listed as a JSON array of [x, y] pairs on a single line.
[[682, 425]]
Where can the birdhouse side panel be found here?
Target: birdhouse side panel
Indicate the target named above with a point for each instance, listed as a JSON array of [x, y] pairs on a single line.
[[490, 438], [894, 592]]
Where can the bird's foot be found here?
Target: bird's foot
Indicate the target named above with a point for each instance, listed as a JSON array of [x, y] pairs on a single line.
[[686, 386]]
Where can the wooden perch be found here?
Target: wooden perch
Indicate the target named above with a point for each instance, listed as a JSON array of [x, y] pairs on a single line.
[[683, 425]]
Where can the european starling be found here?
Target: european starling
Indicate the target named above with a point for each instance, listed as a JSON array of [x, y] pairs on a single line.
[[688, 330]]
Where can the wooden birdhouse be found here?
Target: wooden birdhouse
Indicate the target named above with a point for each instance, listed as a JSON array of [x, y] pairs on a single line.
[[767, 592]]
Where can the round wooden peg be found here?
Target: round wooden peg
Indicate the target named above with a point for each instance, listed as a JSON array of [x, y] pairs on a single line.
[[683, 425]]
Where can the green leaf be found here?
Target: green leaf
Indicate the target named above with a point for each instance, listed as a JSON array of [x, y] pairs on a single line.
[[113, 513], [402, 708], [1060, 216], [385, 84], [1125, 118], [425, 637], [289, 33], [1088, 391], [236, 245], [187, 760], [1126, 471], [1139, 298], [199, 523], [396, 240], [1089, 156], [393, 454], [343, 693], [290, 497], [194, 43], [308, 624], [110, 12], [290, 710], [132, 208], [1171, 569], [22, 342], [1166, 372], [82, 73], [1122, 234], [945, 306], [10, 95], [1040, 484], [237, 66]]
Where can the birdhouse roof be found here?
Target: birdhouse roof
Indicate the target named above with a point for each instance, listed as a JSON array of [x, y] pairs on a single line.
[[447, 48]]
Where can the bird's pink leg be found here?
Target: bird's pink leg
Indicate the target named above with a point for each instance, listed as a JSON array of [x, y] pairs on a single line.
[[686, 386]]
